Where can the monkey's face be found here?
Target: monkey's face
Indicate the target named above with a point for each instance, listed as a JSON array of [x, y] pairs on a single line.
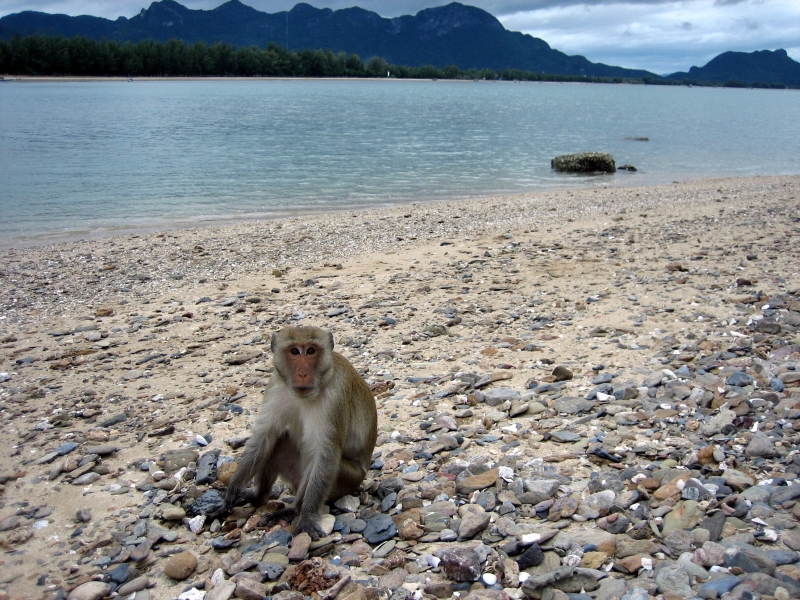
[[303, 360]]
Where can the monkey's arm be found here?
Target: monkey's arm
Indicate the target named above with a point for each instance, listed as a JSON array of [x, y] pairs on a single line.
[[317, 482], [257, 453]]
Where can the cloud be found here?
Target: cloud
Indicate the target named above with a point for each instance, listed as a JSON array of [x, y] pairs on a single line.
[[663, 36], [656, 37]]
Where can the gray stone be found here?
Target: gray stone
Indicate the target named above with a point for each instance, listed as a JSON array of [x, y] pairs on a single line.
[[542, 488], [674, 578], [207, 468], [572, 405], [713, 588], [761, 445], [473, 521], [784, 494], [739, 379], [379, 529], [211, 503], [636, 593], [497, 396], [565, 436]]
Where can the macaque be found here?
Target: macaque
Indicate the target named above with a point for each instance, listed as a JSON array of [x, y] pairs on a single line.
[[316, 427]]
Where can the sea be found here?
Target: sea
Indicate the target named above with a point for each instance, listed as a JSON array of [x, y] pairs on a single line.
[[81, 159]]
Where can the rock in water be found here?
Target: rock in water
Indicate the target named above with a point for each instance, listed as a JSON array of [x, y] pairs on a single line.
[[585, 162]]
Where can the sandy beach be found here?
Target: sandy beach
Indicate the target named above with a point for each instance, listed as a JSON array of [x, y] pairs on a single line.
[[510, 341]]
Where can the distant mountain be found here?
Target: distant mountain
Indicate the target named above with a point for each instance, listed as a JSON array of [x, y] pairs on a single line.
[[454, 34], [763, 66]]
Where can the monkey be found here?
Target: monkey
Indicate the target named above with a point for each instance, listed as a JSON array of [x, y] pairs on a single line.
[[316, 427]]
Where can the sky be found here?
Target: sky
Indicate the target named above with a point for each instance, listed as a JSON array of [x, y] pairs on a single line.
[[662, 36]]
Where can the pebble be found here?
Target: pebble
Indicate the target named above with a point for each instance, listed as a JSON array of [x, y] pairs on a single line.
[[91, 590], [530, 439], [180, 566]]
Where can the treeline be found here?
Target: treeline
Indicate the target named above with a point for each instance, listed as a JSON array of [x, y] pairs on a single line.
[[733, 83], [82, 56]]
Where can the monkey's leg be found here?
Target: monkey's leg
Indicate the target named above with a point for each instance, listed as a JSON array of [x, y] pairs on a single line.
[[348, 479]]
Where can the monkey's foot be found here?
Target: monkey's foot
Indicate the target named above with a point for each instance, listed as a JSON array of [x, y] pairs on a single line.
[[306, 525]]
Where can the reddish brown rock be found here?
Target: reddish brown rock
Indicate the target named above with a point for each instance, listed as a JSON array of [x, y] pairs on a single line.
[[478, 482]]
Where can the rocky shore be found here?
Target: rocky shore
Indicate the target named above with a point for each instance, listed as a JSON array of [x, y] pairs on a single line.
[[583, 394]]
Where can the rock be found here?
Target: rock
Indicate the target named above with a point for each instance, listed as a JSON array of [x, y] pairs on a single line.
[[584, 162], [739, 379], [571, 405], [562, 373], [299, 547], [177, 459], [714, 588], [566, 579], [379, 529], [761, 445], [135, 585], [474, 519], [565, 437], [473, 483], [714, 525], [348, 504], [766, 585], [222, 591], [207, 468], [636, 593], [172, 513], [461, 564], [627, 546], [91, 590], [249, 589], [593, 560], [180, 566], [738, 480], [393, 579], [596, 505], [210, 503], [610, 589], [684, 515], [784, 494], [532, 557], [674, 579], [10, 523]]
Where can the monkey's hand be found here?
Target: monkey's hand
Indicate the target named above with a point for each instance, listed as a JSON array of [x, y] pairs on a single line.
[[233, 497], [307, 525]]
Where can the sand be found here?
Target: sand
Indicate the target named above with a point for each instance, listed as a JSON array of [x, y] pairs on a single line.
[[520, 282]]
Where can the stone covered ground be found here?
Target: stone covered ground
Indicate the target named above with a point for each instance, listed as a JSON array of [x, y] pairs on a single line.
[[585, 394]]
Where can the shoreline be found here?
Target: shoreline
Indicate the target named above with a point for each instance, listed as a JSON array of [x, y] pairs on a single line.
[[571, 182]]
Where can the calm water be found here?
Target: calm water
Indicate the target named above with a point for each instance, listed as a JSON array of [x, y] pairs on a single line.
[[86, 158]]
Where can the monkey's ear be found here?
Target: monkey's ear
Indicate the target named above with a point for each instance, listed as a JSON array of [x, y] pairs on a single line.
[[273, 342], [330, 338]]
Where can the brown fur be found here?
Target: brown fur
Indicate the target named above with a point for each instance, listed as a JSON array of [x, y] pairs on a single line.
[[316, 427]]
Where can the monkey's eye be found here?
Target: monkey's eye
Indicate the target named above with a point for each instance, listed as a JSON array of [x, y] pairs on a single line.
[[295, 350], [311, 350]]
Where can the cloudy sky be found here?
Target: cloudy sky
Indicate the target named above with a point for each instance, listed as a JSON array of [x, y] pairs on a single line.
[[662, 36]]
